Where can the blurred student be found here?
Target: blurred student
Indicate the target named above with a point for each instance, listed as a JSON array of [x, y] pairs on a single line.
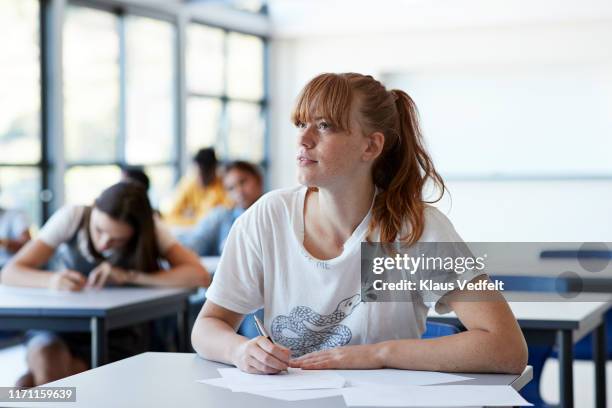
[[197, 196], [136, 174], [114, 242], [244, 184], [14, 233], [296, 252]]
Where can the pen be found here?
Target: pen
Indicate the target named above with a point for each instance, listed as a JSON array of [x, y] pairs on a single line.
[[262, 332], [261, 329]]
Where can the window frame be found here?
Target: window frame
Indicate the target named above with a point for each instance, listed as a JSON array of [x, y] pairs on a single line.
[[225, 99], [53, 165]]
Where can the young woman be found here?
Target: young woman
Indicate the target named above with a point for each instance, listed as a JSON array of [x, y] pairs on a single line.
[[244, 184], [116, 241], [296, 252]]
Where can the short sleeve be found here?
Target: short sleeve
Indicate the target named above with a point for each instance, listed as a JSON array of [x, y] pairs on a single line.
[[440, 230], [62, 225], [164, 238], [239, 280]]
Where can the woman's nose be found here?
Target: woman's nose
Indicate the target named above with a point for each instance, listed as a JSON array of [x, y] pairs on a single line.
[[306, 138]]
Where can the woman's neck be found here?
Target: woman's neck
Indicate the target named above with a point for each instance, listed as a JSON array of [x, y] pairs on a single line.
[[339, 211]]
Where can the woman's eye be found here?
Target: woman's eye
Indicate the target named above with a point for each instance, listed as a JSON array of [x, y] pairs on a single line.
[[300, 125], [323, 125]]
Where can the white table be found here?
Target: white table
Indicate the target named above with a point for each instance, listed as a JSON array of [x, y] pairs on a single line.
[[561, 321], [169, 380], [94, 311]]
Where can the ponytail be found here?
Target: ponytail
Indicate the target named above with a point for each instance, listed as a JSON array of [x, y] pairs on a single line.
[[401, 172]]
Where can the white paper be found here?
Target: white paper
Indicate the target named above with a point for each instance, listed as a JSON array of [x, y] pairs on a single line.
[[433, 396], [398, 377], [285, 395], [293, 379]]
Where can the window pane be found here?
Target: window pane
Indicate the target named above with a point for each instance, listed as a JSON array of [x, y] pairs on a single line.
[[246, 129], [19, 189], [203, 121], [245, 66], [150, 85], [205, 60], [162, 183], [91, 84], [85, 183], [19, 82]]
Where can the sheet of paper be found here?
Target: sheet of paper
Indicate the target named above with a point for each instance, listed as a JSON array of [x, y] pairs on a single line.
[[433, 396], [284, 395], [397, 377], [293, 379]]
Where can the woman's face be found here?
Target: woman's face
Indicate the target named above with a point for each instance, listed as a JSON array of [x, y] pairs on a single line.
[[108, 234], [328, 156], [243, 187]]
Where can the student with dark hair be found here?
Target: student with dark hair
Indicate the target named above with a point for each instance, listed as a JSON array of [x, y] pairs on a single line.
[[244, 184], [197, 196], [116, 241], [135, 174], [296, 253]]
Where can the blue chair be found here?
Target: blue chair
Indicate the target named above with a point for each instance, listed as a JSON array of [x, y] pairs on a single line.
[[434, 330], [247, 328]]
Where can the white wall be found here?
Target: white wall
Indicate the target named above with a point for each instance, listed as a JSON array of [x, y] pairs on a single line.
[[482, 210]]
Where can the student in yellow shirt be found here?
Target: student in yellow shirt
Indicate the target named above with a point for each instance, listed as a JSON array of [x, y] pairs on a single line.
[[196, 196]]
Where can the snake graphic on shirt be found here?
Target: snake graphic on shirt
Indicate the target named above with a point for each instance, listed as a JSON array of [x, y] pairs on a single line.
[[305, 330]]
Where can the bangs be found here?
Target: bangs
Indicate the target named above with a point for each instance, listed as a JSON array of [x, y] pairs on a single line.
[[327, 96]]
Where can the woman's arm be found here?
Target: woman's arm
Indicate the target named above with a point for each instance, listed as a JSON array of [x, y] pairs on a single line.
[[24, 270], [492, 343], [185, 271], [214, 337]]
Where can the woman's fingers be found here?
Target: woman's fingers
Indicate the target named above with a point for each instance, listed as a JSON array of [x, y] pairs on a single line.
[[279, 352], [268, 359], [98, 277], [261, 367]]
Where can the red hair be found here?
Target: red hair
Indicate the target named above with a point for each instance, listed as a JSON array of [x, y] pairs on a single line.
[[404, 166]]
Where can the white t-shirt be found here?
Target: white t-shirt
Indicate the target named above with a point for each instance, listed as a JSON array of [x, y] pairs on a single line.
[[62, 226], [312, 304], [13, 224]]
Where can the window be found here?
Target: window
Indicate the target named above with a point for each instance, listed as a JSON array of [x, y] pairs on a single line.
[[91, 85], [226, 103], [120, 88], [150, 86], [120, 82], [20, 107]]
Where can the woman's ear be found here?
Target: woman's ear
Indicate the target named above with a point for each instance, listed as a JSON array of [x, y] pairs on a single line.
[[375, 144]]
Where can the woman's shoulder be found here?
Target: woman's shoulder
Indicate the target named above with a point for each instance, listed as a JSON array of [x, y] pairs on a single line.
[[280, 199], [438, 227], [273, 208]]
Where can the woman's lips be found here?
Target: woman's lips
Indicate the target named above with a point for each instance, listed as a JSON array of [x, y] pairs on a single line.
[[305, 161]]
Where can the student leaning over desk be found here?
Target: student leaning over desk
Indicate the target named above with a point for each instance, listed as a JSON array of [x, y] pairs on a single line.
[[116, 241], [296, 252]]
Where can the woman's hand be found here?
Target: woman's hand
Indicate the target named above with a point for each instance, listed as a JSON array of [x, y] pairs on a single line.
[[67, 280], [261, 356], [362, 357], [104, 273]]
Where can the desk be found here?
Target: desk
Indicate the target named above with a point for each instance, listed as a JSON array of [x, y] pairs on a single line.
[[94, 311], [555, 320], [169, 380]]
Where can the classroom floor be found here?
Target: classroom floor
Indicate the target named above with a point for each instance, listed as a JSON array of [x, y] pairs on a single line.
[[12, 361]]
